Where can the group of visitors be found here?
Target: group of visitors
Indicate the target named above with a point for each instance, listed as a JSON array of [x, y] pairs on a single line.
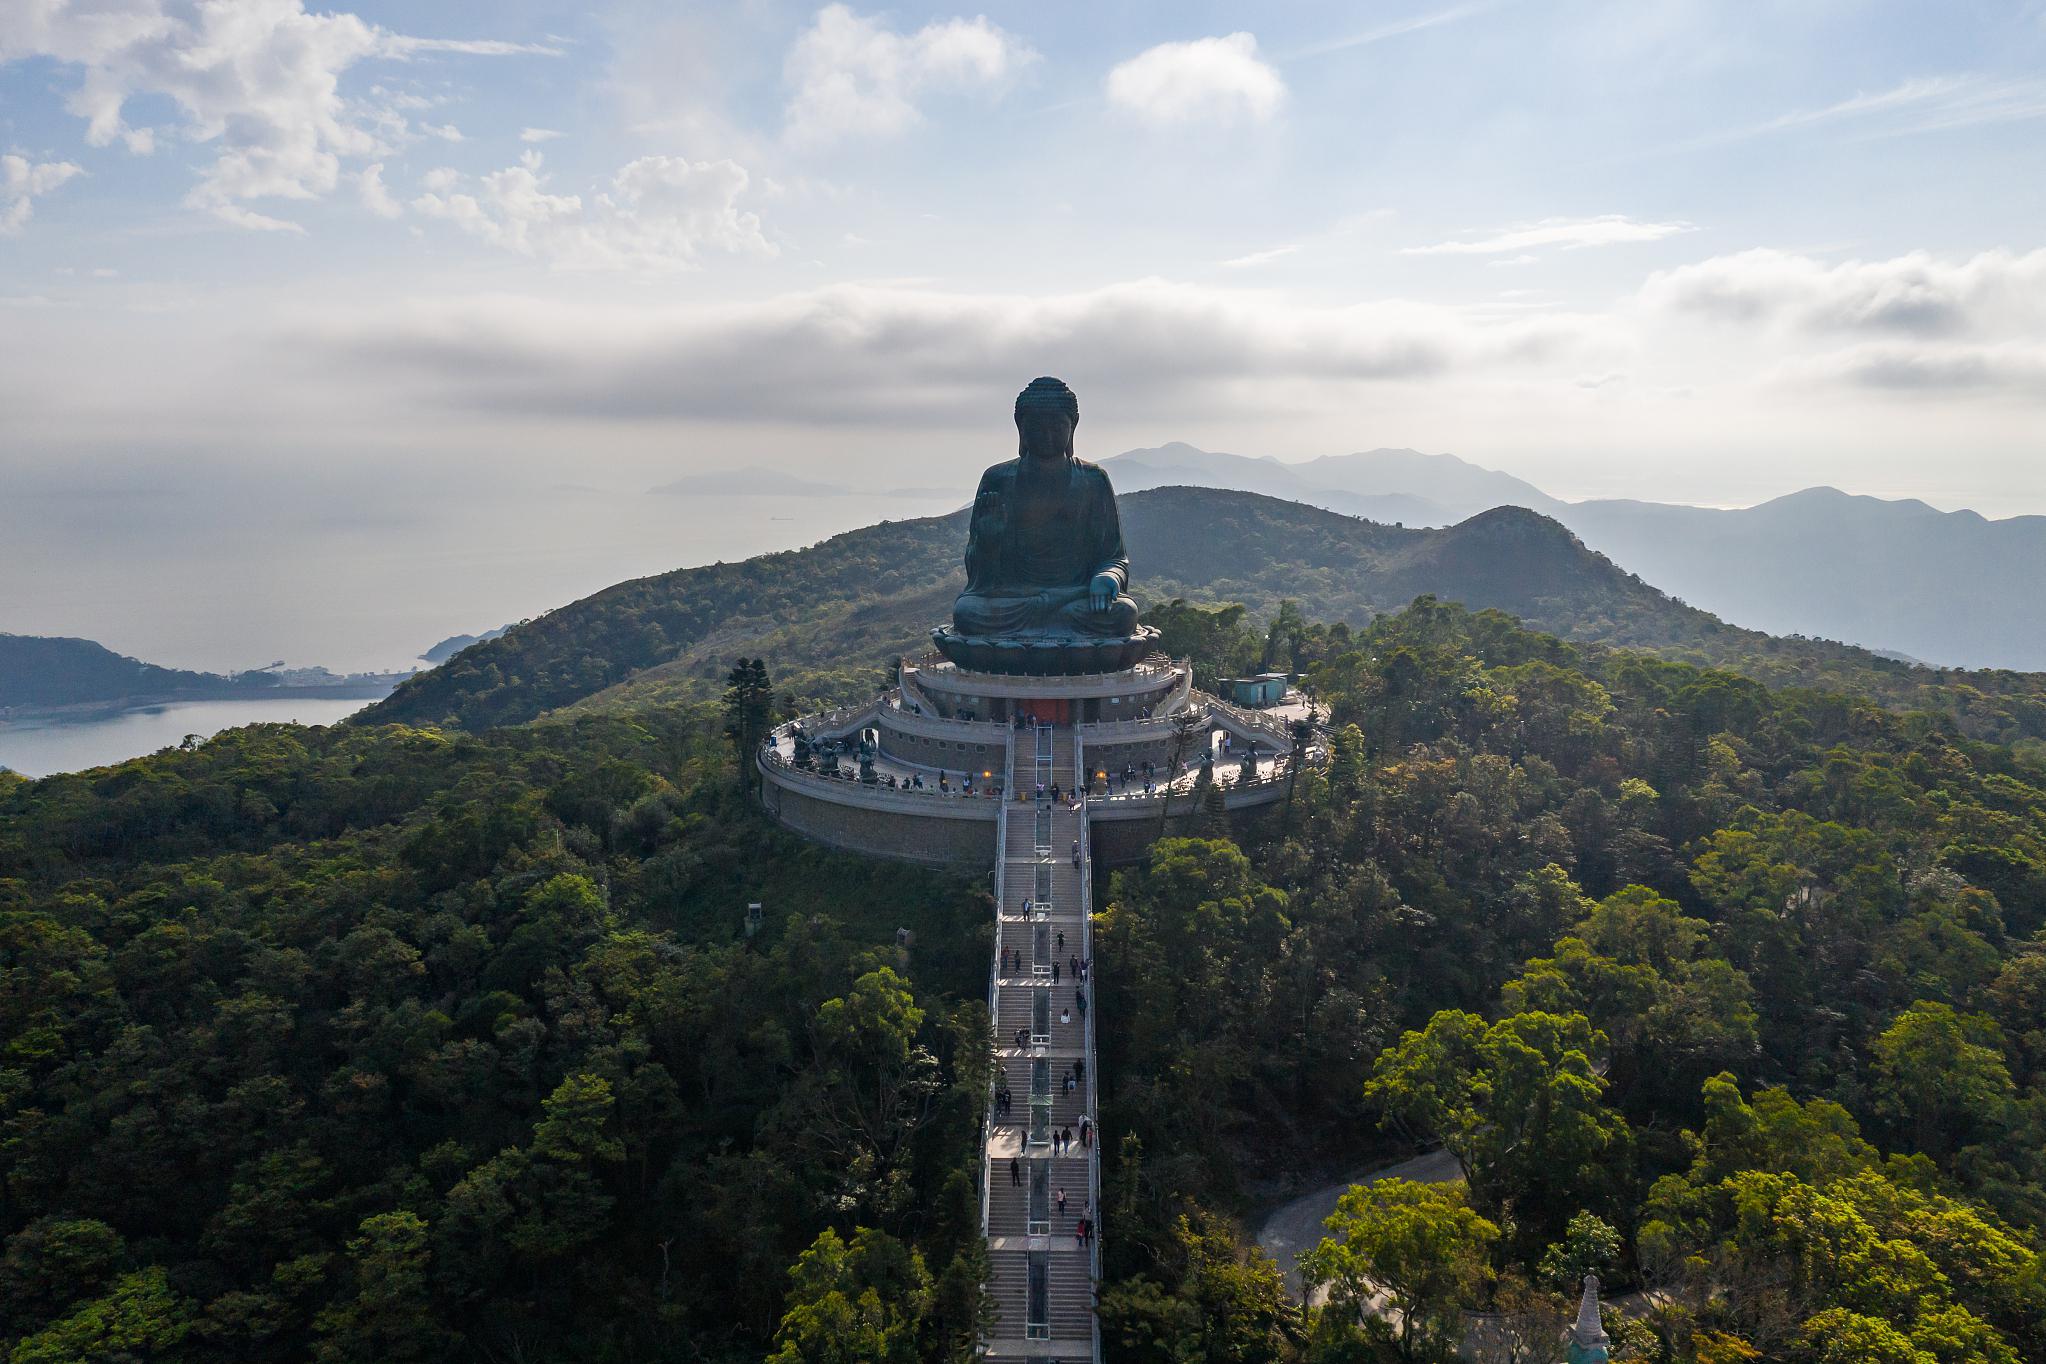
[[1134, 778], [914, 781], [1075, 965]]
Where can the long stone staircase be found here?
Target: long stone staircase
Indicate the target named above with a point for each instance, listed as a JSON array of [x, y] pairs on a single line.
[[1043, 1276]]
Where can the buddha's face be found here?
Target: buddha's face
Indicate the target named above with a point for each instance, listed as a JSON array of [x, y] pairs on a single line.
[[1044, 433]]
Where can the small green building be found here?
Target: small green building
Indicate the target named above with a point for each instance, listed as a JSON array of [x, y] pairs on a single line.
[[1260, 692]]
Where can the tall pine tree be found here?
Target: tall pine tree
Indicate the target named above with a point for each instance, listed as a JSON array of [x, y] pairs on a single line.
[[749, 708]]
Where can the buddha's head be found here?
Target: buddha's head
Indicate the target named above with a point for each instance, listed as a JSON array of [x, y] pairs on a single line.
[[1046, 413]]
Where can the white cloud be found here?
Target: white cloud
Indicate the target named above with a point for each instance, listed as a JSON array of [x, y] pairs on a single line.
[[538, 134], [919, 356], [1911, 324], [1397, 28], [22, 181], [1217, 79], [375, 197], [1919, 293], [1264, 257], [1919, 104], [258, 80], [446, 132], [853, 76], [2011, 368], [407, 100], [1570, 234], [400, 45], [656, 213]]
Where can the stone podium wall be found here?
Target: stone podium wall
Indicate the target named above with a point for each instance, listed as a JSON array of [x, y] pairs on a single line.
[[1122, 831], [953, 755], [939, 831]]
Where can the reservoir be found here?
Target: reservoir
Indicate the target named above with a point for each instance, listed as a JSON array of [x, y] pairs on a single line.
[[40, 747]]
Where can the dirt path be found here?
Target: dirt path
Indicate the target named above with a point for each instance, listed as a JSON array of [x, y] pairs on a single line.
[[1296, 1226]]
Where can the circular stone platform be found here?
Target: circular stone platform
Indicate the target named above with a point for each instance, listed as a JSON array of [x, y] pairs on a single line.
[[1045, 655]]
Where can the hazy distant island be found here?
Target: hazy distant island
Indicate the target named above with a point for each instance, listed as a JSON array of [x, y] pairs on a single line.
[[454, 644], [43, 676]]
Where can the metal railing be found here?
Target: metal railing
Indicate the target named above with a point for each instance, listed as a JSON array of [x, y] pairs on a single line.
[[937, 726], [994, 986], [1262, 722], [833, 722], [1032, 683], [852, 791], [1091, 1096]]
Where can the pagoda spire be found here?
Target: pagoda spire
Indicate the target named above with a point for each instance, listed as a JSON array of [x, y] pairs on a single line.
[[1589, 1343]]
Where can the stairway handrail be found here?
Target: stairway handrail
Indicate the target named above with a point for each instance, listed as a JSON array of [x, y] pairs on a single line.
[[994, 976], [1091, 1093]]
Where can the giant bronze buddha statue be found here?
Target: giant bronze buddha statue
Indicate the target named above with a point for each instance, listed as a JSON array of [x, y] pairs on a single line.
[[1045, 567]]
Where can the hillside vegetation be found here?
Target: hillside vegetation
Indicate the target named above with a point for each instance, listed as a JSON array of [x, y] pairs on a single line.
[[836, 615], [362, 1045], [52, 671], [381, 1043], [1734, 995]]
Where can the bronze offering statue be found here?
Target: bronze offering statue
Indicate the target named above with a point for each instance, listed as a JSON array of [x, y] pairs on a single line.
[[1045, 567]]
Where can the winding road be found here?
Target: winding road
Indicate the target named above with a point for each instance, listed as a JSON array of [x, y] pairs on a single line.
[[1295, 1227]]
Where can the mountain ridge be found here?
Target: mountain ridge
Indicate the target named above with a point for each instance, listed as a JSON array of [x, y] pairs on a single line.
[[833, 616], [1895, 575]]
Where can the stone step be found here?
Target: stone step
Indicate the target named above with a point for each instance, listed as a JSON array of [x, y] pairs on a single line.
[[1013, 1010], [1069, 1266], [1016, 1070], [1009, 1204], [1066, 1111], [1070, 1299]]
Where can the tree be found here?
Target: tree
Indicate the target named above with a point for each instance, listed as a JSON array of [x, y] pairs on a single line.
[[964, 1309], [138, 1317], [1420, 1245], [1590, 1245], [871, 1088], [857, 1303], [1636, 967], [1211, 815], [749, 708], [1519, 1103], [1285, 638], [1239, 1297], [52, 1263], [1184, 726], [1216, 640], [389, 1314], [1943, 1076]]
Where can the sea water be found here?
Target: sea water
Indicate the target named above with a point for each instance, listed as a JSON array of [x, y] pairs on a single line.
[[40, 747]]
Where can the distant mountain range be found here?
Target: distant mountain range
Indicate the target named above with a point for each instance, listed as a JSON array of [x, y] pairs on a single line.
[[832, 617], [40, 673], [1899, 577]]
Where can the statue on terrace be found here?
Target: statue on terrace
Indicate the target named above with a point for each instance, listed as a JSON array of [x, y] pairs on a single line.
[[1045, 565]]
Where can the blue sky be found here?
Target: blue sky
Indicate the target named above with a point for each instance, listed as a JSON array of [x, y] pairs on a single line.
[[1674, 249]]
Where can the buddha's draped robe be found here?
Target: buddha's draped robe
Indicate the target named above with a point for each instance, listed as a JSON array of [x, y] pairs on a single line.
[[1042, 531]]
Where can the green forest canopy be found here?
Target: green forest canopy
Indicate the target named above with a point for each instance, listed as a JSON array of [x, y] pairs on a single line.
[[397, 1043]]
